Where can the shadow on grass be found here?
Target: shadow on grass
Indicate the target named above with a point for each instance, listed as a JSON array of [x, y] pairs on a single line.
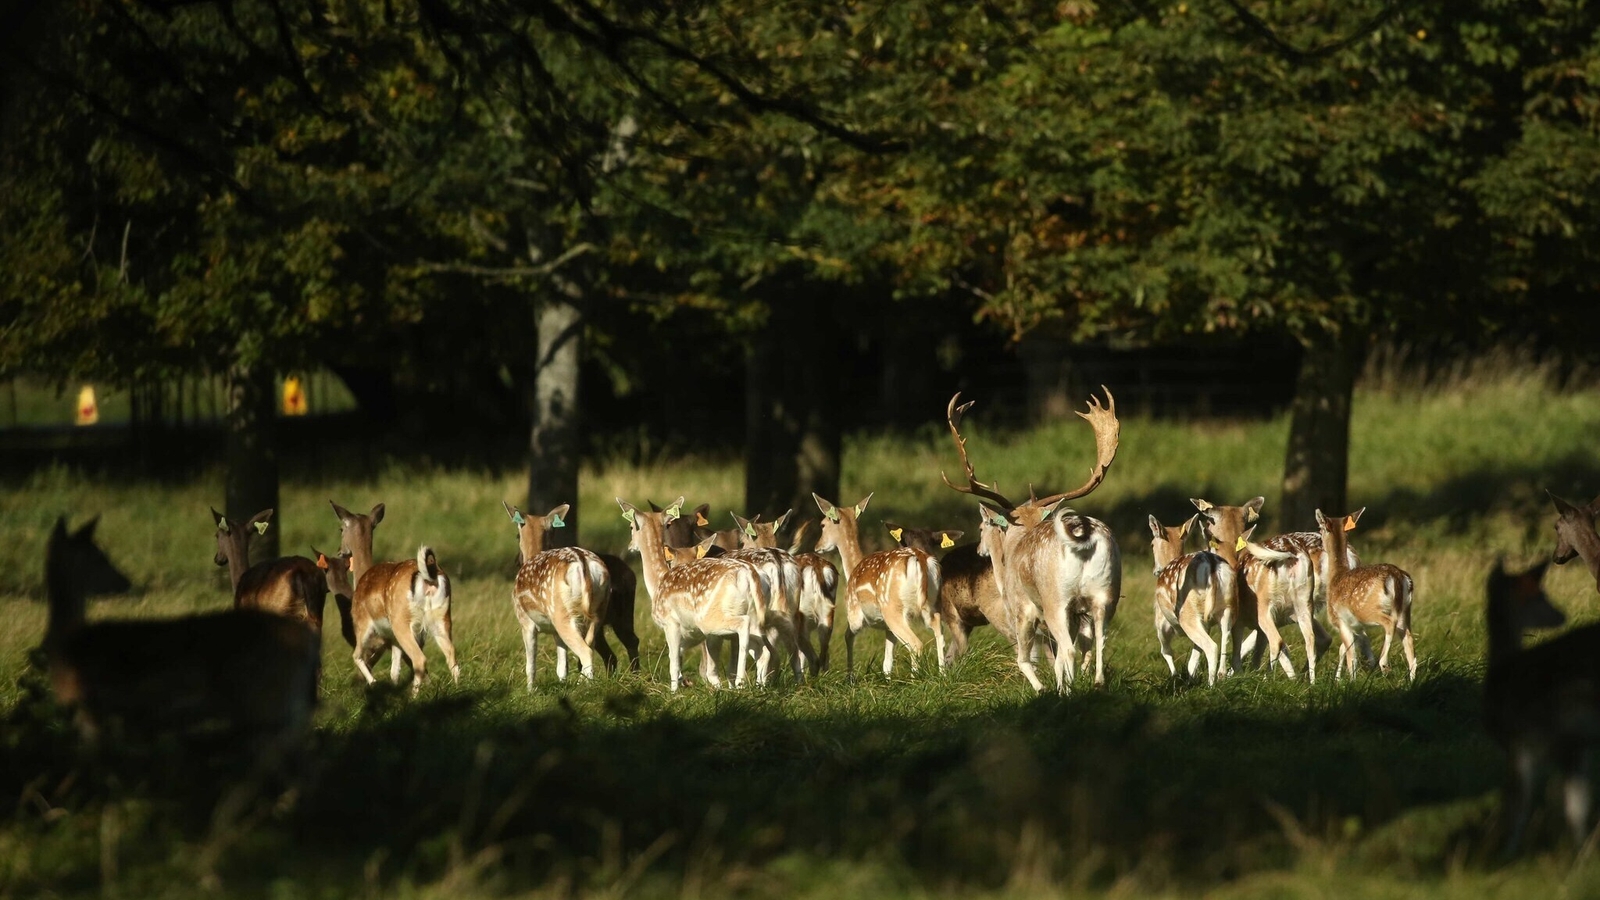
[[1168, 783]]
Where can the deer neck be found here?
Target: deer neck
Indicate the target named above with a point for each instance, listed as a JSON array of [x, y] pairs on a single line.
[[1335, 562], [530, 541], [1505, 638], [849, 551], [238, 561], [66, 603], [652, 555], [360, 560]]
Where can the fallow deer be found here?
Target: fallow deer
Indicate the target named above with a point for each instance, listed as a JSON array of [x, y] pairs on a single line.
[[888, 589], [253, 673], [689, 529], [785, 623], [1277, 590], [819, 585], [396, 604], [1575, 534], [709, 597], [290, 586], [1541, 704], [338, 581], [1062, 567], [624, 587], [969, 594], [1194, 591], [1364, 595], [564, 592]]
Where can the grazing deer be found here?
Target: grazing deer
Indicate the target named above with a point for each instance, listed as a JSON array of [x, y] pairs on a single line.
[[396, 604], [290, 586], [969, 593], [252, 672], [564, 592], [884, 589], [1194, 591], [1061, 568], [705, 598], [1365, 595], [624, 587], [785, 623], [819, 584], [1575, 534], [1541, 704], [1277, 583]]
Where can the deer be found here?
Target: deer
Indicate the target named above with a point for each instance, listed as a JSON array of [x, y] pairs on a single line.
[[1195, 591], [689, 530], [885, 589], [1364, 595], [969, 594], [624, 586], [254, 673], [338, 582], [1541, 704], [290, 586], [1277, 583], [396, 604], [1061, 569], [1575, 534], [819, 585], [565, 592], [785, 623], [694, 601]]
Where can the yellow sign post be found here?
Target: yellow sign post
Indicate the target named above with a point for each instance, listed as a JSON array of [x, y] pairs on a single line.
[[88, 409], [294, 397]]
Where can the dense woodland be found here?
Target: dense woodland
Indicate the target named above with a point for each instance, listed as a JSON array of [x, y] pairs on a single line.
[[458, 205]]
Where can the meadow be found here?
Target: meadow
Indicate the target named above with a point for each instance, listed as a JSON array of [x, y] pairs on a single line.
[[963, 783]]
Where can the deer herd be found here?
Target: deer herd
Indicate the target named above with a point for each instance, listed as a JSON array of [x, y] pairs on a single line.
[[1046, 577]]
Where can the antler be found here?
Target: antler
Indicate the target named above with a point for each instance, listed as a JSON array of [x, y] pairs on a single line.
[[1107, 430], [952, 416]]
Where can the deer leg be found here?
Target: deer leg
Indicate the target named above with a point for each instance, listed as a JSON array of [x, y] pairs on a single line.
[[1576, 793], [744, 650], [1521, 784], [1410, 649], [824, 633], [1388, 638], [394, 664], [530, 641], [1164, 642], [900, 627], [1348, 652], [1229, 659], [363, 652], [601, 647], [1203, 644], [1099, 619], [572, 641], [561, 659], [440, 629], [413, 650], [1026, 650], [1308, 628]]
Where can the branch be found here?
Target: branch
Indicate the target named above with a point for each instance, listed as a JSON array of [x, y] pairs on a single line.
[[543, 271], [1297, 54]]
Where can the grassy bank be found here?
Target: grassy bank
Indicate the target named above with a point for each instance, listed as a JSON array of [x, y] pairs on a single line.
[[962, 783]]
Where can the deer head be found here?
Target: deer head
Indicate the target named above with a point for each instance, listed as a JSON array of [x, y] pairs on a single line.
[[1574, 528]]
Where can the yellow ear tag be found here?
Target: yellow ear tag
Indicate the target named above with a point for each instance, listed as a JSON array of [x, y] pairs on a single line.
[[1214, 545], [945, 542], [261, 528], [666, 552], [1350, 525], [1240, 544], [896, 532], [700, 551], [700, 519]]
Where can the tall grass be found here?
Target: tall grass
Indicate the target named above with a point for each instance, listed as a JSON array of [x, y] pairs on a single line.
[[922, 785]]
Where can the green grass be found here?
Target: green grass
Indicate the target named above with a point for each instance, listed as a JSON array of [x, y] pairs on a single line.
[[929, 785]]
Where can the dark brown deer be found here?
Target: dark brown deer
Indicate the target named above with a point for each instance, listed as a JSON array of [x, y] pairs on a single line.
[[289, 586], [1575, 534], [969, 594], [254, 674], [1541, 704]]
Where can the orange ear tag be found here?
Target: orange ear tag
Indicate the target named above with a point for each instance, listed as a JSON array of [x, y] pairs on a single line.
[[700, 551], [700, 520], [666, 552], [1350, 525], [322, 561]]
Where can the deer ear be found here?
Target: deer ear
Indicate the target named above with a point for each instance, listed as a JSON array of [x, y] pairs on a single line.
[[259, 521], [862, 506], [322, 561], [828, 509], [85, 531], [1353, 517], [557, 517], [343, 514], [216, 517], [1253, 509], [1202, 505], [1322, 520], [261, 527], [377, 514], [666, 552], [777, 525], [1157, 530], [704, 547], [700, 519]]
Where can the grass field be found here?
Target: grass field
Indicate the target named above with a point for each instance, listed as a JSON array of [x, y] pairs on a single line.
[[932, 785]]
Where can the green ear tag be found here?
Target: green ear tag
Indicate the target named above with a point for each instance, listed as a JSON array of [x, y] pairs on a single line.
[[517, 518], [222, 526], [832, 514], [628, 514], [261, 528], [750, 530], [555, 522]]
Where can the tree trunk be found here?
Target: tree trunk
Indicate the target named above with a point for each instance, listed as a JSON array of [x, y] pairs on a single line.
[[1317, 465], [252, 452], [792, 431], [555, 439]]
